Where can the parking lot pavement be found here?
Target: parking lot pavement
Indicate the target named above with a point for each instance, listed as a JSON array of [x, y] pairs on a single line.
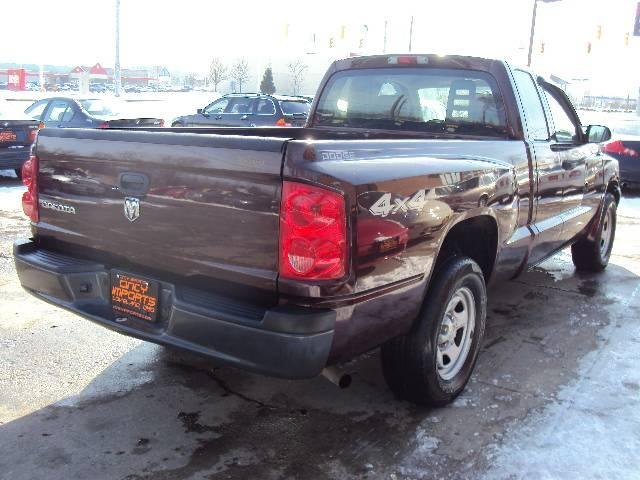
[[555, 393]]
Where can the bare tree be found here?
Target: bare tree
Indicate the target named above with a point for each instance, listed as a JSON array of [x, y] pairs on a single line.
[[217, 72], [297, 70], [240, 72]]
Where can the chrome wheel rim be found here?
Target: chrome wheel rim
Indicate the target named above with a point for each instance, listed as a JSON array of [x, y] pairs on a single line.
[[455, 335], [605, 235]]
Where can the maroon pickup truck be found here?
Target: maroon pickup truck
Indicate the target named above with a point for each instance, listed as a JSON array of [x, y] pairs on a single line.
[[289, 251]]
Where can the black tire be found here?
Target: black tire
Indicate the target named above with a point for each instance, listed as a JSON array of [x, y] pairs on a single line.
[[592, 255], [18, 173], [409, 362], [177, 124]]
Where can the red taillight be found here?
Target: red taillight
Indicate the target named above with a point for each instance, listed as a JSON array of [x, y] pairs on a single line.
[[161, 124], [104, 125], [313, 233], [620, 148], [33, 134], [30, 197], [282, 123]]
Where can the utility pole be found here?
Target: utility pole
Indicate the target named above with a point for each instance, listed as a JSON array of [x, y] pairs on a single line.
[[117, 74], [533, 31], [410, 33], [533, 27], [384, 41]]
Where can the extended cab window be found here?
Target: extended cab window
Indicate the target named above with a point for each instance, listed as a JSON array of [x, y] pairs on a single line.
[[413, 99], [534, 117]]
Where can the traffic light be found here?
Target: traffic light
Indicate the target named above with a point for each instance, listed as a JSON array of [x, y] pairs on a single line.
[[541, 47], [626, 39], [332, 42], [599, 32], [588, 47]]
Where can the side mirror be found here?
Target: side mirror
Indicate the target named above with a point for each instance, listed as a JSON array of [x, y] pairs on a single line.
[[598, 134], [199, 110]]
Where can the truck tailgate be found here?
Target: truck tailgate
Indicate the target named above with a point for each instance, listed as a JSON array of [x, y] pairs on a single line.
[[201, 207]]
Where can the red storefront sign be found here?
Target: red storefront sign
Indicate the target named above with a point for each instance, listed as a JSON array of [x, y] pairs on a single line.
[[17, 79]]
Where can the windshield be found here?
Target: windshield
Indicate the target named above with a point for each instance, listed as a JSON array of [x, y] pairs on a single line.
[[292, 107], [413, 99]]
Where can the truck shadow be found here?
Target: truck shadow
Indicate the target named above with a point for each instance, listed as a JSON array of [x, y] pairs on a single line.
[[158, 415]]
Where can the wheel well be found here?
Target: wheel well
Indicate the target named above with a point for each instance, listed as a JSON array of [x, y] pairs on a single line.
[[476, 238], [614, 189]]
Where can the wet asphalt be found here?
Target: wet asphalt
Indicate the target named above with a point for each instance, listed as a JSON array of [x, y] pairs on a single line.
[[78, 401]]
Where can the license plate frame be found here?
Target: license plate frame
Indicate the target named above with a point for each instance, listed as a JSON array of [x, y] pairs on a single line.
[[134, 296]]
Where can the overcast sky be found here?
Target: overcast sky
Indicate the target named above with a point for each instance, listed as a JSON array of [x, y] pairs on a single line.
[[184, 35]]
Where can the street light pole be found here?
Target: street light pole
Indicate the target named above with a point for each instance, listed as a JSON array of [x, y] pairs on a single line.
[[533, 27], [384, 42], [410, 33], [533, 31], [117, 74]]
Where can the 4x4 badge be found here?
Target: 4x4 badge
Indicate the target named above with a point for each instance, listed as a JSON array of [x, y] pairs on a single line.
[[131, 208]]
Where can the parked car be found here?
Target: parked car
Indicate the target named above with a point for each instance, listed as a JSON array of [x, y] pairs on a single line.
[[17, 134], [249, 110], [625, 147], [67, 112], [289, 251]]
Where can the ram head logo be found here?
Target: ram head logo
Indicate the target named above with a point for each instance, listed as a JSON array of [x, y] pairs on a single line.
[[131, 208]]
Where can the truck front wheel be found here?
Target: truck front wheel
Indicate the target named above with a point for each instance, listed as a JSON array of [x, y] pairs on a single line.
[[592, 255], [432, 363]]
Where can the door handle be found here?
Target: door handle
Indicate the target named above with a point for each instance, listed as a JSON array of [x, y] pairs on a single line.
[[132, 183], [571, 164]]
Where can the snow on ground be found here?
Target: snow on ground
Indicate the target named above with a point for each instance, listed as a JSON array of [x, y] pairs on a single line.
[[593, 429]]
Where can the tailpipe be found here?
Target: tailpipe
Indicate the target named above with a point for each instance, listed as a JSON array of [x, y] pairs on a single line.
[[338, 376]]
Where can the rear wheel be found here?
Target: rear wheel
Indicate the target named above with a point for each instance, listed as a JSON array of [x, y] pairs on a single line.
[[592, 254], [432, 363]]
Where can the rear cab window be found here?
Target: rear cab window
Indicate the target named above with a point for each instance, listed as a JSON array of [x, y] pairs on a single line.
[[425, 100]]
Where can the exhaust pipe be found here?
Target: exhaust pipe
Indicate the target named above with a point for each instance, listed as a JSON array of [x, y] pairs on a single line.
[[337, 376]]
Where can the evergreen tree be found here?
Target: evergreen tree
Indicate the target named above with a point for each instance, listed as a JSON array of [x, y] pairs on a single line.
[[266, 85]]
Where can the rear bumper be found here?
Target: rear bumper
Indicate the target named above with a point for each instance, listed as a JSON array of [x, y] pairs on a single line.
[[288, 342], [13, 158]]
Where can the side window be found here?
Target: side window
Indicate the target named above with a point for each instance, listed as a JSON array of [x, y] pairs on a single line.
[[535, 120], [265, 107], [217, 107], [240, 106], [36, 110], [68, 114], [565, 128], [56, 111]]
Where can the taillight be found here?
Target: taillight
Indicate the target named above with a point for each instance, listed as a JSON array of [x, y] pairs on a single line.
[[33, 134], [620, 148], [282, 123], [30, 197], [104, 125], [161, 124], [313, 233]]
